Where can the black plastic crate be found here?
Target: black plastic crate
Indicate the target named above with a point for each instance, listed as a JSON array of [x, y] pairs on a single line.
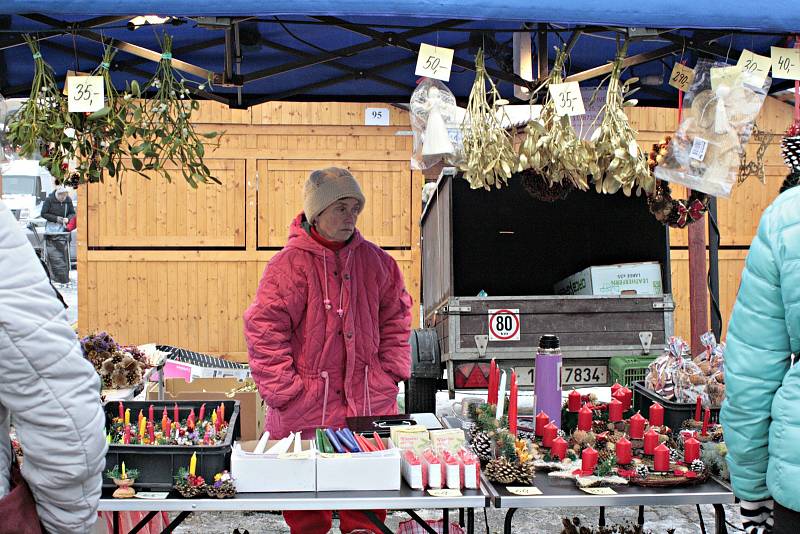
[[675, 413], [158, 464]]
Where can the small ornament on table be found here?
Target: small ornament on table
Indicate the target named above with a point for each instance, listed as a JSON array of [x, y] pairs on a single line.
[[124, 480], [187, 483], [642, 471], [223, 486], [674, 455], [697, 466]]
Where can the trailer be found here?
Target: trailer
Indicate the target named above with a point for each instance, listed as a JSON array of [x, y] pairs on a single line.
[[490, 260]]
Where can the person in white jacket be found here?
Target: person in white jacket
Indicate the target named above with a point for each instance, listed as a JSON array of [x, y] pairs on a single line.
[[49, 392]]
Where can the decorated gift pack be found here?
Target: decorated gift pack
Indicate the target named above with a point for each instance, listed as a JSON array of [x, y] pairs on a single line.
[[676, 376], [280, 470], [375, 470]]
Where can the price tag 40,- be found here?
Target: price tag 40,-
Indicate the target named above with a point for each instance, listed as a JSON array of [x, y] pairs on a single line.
[[681, 77], [434, 62], [85, 94], [786, 63], [567, 98]]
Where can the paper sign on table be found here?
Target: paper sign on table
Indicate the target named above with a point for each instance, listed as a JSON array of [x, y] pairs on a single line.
[[152, 495], [444, 492], [567, 98], [85, 94], [599, 491], [681, 77], [524, 490], [785, 63], [730, 76], [755, 68], [434, 62]]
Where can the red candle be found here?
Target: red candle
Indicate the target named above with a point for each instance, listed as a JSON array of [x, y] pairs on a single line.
[[706, 420], [697, 405], [615, 388], [217, 423], [650, 441], [202, 414], [121, 411], [151, 432], [588, 459], [190, 420], [614, 411], [491, 396], [512, 405], [541, 420], [550, 433], [573, 401], [559, 448], [627, 400], [585, 418], [175, 414], [150, 413], [126, 437], [207, 438], [656, 414], [636, 430], [661, 458], [222, 410], [624, 451], [691, 450]]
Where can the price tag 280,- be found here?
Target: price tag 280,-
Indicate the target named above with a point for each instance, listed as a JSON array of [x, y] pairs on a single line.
[[434, 62], [785, 63], [681, 77], [567, 98], [85, 94], [755, 68]]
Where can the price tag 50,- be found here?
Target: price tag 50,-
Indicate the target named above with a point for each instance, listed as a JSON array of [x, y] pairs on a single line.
[[567, 98], [85, 94], [681, 77], [434, 62], [786, 63]]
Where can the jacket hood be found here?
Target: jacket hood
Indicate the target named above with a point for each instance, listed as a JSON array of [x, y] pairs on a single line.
[[300, 239]]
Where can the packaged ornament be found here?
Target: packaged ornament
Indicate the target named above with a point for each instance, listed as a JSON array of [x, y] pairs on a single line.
[[435, 125]]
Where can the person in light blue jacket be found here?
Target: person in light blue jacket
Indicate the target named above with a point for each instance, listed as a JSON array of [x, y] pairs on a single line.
[[761, 414]]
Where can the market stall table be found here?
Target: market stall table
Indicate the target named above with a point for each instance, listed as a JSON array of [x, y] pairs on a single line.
[[405, 499], [564, 493]]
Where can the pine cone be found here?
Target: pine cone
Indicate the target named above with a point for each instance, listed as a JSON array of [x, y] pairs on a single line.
[[501, 471], [482, 446], [598, 426], [698, 466], [674, 455], [790, 148], [642, 471], [189, 491], [524, 472], [226, 490]]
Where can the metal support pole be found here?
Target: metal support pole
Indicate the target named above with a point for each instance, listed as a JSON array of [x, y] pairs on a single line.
[[421, 522], [601, 522], [509, 518], [640, 517], [470, 521], [719, 519]]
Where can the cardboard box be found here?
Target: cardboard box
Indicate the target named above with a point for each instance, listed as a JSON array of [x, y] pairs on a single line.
[[257, 473], [374, 471], [252, 409], [623, 278]]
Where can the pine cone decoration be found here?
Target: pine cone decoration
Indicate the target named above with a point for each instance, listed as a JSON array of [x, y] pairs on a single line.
[[790, 148], [642, 471], [598, 426], [525, 472], [225, 490], [674, 455], [698, 466], [482, 446], [525, 434], [501, 471], [189, 491], [604, 454]]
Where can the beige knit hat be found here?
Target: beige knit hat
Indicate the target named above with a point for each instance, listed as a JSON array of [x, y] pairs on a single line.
[[326, 186]]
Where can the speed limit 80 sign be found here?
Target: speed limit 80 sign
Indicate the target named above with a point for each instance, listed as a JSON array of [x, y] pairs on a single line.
[[504, 325]]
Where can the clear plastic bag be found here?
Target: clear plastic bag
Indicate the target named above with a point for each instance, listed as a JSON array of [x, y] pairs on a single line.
[[717, 122], [435, 125]]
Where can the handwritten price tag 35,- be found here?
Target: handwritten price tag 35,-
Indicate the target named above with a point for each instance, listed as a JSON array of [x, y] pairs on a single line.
[[785, 63], [599, 491], [567, 98], [434, 62], [85, 94], [681, 77], [755, 68], [445, 492], [524, 490]]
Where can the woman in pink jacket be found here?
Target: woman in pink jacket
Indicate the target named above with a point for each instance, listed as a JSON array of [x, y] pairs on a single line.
[[327, 332]]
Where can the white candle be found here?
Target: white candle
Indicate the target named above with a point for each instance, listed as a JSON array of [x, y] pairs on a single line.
[[501, 395], [298, 446], [262, 443]]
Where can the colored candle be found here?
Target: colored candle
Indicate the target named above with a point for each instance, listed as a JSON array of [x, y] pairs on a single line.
[[151, 431], [150, 413], [614, 411], [491, 393], [121, 411], [550, 433], [215, 421], [636, 430], [222, 413], [126, 436], [139, 419], [202, 414], [124, 475], [175, 413], [512, 405], [573, 401], [661, 458], [501, 396], [656, 414], [650, 441], [624, 451], [193, 463], [127, 416], [616, 387], [541, 420], [165, 426], [585, 418], [207, 438], [627, 399], [691, 450], [588, 459], [142, 423], [697, 405], [190, 420], [558, 448], [706, 420]]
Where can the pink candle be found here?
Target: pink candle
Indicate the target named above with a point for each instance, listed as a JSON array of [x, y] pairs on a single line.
[[151, 432], [614, 411], [697, 405], [656, 414], [126, 437], [217, 423], [573, 401], [650, 441], [627, 399], [150, 413], [121, 411], [637, 426], [624, 451], [706, 420], [559, 448], [550, 433], [207, 438], [491, 396], [512, 405], [588, 459], [175, 414], [222, 411], [202, 414], [585, 418], [661, 458], [541, 420], [691, 450]]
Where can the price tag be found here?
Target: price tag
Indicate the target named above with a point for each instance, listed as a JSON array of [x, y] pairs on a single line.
[[681, 77], [71, 73], [434, 62], [524, 490], [152, 495], [85, 94], [755, 68], [730, 76], [504, 325], [567, 98], [376, 117], [699, 148], [786, 63], [599, 491], [445, 492]]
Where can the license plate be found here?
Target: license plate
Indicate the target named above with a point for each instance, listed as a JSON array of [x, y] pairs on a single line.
[[571, 375]]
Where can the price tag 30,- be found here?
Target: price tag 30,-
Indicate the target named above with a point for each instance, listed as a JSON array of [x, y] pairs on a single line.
[[755, 68], [434, 62], [85, 94], [524, 490], [567, 98], [681, 77], [785, 63]]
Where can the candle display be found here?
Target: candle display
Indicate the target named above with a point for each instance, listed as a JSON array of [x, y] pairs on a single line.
[[541, 420], [636, 430], [656, 414], [624, 451], [585, 418], [558, 448], [697, 404], [491, 396], [193, 464], [163, 431], [512, 405], [550, 433], [661, 458], [650, 441], [573, 401], [706, 421], [614, 411], [588, 459]]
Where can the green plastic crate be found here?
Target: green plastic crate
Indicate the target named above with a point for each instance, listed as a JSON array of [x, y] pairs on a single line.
[[628, 369]]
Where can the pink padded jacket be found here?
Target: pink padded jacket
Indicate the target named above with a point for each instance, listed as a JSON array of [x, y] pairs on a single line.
[[327, 333]]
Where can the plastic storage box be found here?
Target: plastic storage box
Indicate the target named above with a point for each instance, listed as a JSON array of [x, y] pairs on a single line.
[[628, 369], [158, 463], [675, 413]]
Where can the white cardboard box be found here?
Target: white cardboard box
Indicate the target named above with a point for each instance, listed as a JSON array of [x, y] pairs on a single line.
[[375, 471], [623, 278], [256, 473]]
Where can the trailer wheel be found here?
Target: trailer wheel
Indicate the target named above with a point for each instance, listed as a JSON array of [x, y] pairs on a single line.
[[421, 395]]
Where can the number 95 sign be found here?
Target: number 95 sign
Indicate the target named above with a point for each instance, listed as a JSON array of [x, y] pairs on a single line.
[[504, 325]]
